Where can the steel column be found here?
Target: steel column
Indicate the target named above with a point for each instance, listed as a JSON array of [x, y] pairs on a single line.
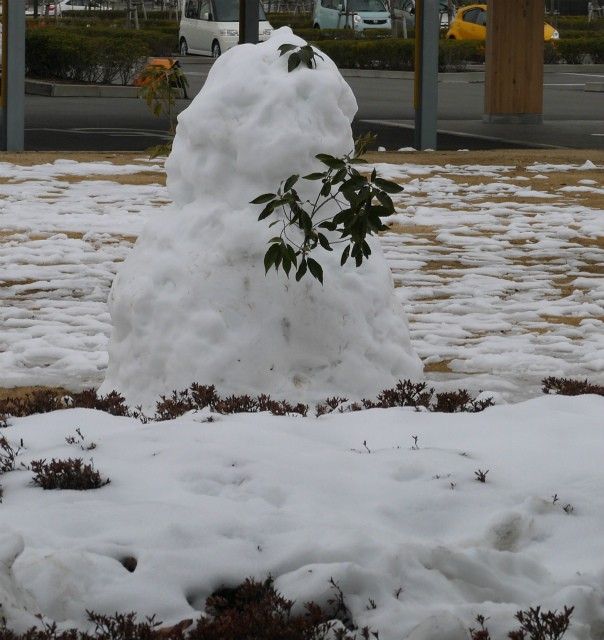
[[13, 75], [427, 26]]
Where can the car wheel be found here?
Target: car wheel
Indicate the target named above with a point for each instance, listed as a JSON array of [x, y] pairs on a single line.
[[184, 47], [216, 50]]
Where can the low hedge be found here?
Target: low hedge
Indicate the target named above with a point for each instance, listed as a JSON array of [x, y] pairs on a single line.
[[293, 20], [62, 54], [398, 54], [575, 23], [162, 40], [342, 34], [581, 50], [115, 14], [454, 55], [169, 26], [158, 43]]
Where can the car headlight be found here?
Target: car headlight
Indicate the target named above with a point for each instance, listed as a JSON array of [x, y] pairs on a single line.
[[229, 32], [555, 35], [357, 18]]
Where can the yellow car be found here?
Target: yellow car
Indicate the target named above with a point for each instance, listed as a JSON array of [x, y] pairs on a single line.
[[470, 23]]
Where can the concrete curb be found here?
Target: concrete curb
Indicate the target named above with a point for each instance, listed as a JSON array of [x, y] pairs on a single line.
[[369, 73], [58, 90]]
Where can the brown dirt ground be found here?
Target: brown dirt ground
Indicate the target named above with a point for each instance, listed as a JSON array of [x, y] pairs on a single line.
[[30, 158]]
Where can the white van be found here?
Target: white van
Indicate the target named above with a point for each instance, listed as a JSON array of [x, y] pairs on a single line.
[[351, 14], [210, 27]]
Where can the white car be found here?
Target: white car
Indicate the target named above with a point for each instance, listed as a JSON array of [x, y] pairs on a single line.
[[75, 5], [210, 27]]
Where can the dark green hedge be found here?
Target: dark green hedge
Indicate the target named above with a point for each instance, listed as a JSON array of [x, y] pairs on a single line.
[[342, 34], [575, 23], [398, 54], [454, 55], [62, 54], [115, 14], [581, 50], [293, 20]]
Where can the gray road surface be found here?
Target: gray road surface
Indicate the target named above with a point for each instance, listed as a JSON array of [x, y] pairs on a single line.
[[573, 117]]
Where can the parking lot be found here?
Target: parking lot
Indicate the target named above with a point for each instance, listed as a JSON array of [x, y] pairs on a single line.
[[572, 116]]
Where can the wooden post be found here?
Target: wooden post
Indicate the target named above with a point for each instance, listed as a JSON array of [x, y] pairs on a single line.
[[514, 62]]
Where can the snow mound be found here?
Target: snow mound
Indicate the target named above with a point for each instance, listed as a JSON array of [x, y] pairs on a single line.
[[202, 505], [192, 302], [17, 608]]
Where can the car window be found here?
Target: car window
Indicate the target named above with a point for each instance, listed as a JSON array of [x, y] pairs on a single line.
[[482, 18], [205, 10], [366, 5], [192, 9], [471, 15]]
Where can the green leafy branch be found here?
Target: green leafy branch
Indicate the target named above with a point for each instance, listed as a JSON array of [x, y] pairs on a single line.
[[305, 226], [300, 55]]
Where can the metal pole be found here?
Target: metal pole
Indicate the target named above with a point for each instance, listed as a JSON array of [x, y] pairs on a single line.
[[249, 17], [13, 75], [427, 28]]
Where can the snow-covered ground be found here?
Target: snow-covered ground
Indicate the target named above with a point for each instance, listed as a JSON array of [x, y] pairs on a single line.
[[408, 533], [500, 275]]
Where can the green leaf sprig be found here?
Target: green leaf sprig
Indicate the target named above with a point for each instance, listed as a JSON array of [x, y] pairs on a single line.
[[299, 55], [362, 201]]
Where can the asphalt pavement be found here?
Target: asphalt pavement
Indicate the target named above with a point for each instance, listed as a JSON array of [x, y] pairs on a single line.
[[573, 117]]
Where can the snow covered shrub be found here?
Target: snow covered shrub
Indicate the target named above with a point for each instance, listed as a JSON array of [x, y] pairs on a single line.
[[570, 387], [330, 404], [481, 475], [407, 393], [66, 474], [112, 403], [198, 397], [534, 625], [8, 455], [460, 401], [251, 611], [482, 632], [39, 401], [79, 440], [255, 610]]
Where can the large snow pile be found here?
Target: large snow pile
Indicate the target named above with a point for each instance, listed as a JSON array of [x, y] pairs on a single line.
[[192, 302], [203, 504]]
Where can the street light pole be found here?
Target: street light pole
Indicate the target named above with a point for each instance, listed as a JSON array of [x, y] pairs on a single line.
[[427, 27], [13, 75]]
